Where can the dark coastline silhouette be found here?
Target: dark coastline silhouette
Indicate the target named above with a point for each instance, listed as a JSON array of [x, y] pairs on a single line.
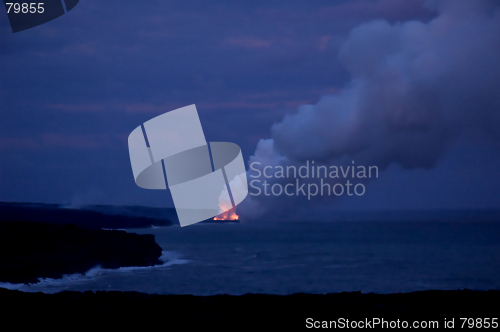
[[32, 250], [257, 311]]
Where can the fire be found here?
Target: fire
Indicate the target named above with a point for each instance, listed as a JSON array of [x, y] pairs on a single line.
[[226, 209], [228, 215]]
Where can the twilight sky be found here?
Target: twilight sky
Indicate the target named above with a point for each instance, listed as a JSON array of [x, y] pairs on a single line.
[[408, 87]]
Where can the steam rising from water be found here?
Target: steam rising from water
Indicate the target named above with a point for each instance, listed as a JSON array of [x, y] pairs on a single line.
[[416, 89]]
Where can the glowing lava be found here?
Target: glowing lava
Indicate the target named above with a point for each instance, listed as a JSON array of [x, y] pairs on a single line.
[[225, 204], [228, 215]]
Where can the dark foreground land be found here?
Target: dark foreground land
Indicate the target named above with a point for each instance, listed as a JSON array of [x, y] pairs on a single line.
[[236, 313], [32, 250]]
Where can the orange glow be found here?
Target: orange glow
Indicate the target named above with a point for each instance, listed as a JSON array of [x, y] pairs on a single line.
[[228, 215]]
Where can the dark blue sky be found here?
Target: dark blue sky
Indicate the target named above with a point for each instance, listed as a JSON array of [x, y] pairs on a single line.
[[72, 90]]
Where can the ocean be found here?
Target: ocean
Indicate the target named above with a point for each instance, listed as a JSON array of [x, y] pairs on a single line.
[[305, 257]]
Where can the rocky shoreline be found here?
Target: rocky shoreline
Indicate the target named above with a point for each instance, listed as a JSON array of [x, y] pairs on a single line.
[[33, 250], [83, 218]]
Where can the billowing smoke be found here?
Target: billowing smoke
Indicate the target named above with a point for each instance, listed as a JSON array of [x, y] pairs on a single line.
[[416, 88]]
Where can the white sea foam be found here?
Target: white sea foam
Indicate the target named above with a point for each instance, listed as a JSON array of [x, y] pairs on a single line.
[[169, 258]]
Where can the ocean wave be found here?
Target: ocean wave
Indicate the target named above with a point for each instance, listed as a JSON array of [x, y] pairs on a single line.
[[169, 258]]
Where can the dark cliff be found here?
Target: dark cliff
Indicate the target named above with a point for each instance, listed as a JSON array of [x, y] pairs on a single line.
[[32, 250]]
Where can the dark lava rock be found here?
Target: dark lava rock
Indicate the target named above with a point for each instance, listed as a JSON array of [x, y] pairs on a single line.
[[32, 250], [54, 214], [254, 312]]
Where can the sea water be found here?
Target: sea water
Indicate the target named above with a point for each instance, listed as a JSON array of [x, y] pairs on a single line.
[[309, 257]]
